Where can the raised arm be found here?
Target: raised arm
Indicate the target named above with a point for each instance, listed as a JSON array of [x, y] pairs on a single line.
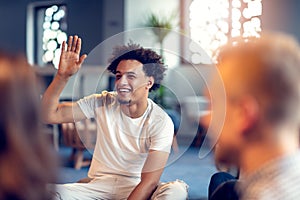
[[70, 62], [152, 170]]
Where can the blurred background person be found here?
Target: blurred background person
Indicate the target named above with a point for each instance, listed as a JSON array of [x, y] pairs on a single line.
[[27, 163], [260, 135]]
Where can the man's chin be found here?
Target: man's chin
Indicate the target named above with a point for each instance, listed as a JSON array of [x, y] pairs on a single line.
[[124, 101]]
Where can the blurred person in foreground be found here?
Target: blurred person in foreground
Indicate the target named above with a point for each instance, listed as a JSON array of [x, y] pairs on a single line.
[[134, 135], [260, 135], [27, 162]]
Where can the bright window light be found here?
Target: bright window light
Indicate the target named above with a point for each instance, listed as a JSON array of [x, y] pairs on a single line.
[[54, 33], [213, 23]]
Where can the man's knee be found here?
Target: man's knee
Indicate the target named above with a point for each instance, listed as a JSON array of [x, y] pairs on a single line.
[[175, 190]]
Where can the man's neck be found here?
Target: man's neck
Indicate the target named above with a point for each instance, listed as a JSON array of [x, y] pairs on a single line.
[[257, 155], [135, 110]]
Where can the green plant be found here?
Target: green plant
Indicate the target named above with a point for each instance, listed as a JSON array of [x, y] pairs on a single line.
[[161, 25]]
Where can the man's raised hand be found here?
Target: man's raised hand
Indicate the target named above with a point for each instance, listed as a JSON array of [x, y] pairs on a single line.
[[70, 59]]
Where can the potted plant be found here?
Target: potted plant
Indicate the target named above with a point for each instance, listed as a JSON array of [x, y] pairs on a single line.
[[161, 26]]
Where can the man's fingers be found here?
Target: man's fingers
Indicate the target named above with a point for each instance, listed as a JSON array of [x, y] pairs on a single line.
[[70, 43], [74, 44], [63, 46], [78, 46], [82, 58]]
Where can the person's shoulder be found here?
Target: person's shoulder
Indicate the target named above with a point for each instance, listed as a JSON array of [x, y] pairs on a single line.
[[159, 120], [157, 111], [155, 107]]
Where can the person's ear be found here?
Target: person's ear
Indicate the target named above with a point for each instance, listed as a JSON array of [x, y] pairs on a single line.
[[249, 114], [150, 82]]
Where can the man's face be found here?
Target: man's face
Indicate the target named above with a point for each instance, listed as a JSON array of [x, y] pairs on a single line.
[[229, 139], [131, 82]]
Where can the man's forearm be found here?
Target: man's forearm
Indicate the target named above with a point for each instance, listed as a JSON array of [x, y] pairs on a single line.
[[152, 170], [143, 191], [50, 99]]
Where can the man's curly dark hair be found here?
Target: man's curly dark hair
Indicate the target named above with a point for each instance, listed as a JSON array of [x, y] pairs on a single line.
[[152, 62]]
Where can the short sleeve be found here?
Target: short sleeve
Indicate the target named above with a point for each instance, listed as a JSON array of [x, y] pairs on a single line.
[[162, 133], [87, 105]]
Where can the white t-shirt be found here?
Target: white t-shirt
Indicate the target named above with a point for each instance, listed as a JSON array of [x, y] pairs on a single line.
[[122, 142]]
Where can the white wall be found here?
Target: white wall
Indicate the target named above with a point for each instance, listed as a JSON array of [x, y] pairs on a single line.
[[136, 13]]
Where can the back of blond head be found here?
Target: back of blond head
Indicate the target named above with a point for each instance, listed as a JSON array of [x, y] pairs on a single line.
[[269, 68]]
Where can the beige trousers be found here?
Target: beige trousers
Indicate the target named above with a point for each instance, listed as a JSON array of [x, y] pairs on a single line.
[[117, 187]]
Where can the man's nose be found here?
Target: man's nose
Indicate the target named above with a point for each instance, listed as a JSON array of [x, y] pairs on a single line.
[[123, 80]]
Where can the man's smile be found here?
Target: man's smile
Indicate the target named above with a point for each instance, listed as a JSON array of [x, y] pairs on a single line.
[[124, 90]]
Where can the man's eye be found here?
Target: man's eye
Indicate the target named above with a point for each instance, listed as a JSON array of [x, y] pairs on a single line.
[[131, 76], [118, 77]]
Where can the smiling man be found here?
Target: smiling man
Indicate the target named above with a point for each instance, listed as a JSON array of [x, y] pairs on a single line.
[[134, 134]]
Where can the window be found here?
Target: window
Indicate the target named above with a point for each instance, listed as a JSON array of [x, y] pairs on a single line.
[[46, 30], [212, 23]]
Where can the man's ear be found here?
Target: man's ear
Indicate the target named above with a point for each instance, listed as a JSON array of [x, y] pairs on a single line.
[[150, 82], [249, 114]]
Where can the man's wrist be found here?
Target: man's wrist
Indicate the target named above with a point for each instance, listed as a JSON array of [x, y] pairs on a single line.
[[61, 77]]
